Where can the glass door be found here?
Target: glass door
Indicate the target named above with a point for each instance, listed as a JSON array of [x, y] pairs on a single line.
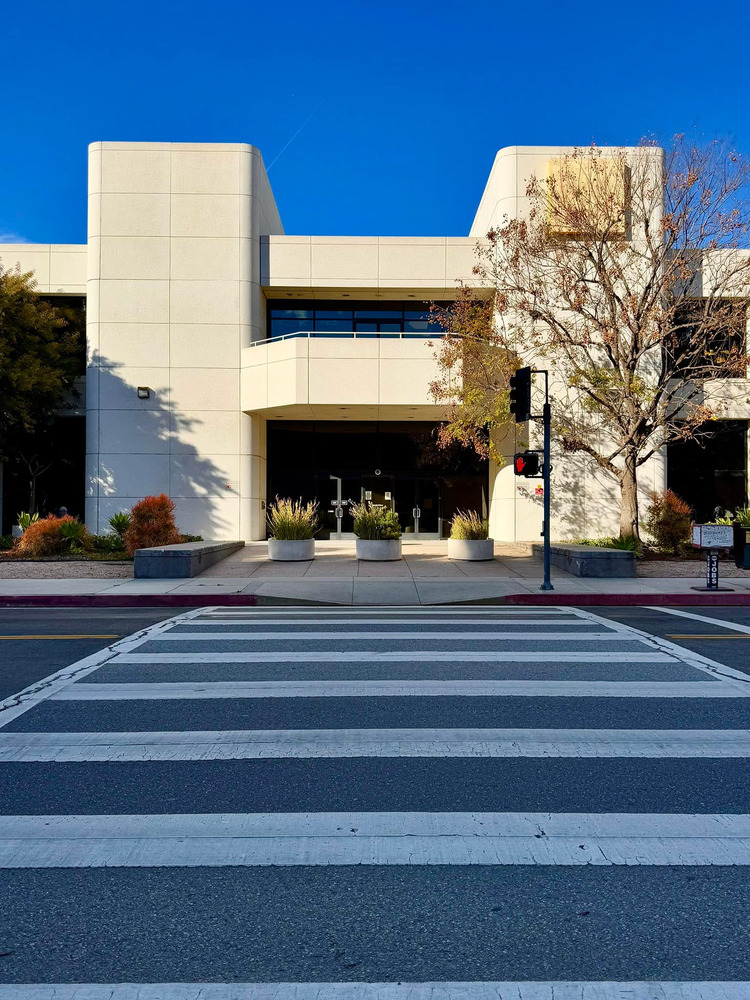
[[419, 508], [378, 490], [427, 509]]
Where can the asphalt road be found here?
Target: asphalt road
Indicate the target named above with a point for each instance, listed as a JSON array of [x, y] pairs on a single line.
[[35, 642], [90, 907], [725, 645]]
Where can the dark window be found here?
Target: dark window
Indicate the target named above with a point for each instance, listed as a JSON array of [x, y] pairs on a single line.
[[412, 319], [709, 345], [333, 325], [73, 310], [709, 470], [284, 327]]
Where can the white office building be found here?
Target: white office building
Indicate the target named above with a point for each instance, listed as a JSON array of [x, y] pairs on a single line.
[[228, 362]]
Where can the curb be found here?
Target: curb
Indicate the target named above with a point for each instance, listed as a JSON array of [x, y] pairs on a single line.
[[251, 600]]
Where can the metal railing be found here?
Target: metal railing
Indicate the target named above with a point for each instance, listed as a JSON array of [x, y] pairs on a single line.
[[344, 335]]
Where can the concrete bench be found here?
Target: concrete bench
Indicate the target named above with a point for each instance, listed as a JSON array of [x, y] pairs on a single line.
[[589, 560], [186, 559]]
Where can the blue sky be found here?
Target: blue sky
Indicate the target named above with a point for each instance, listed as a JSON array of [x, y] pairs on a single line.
[[409, 101]]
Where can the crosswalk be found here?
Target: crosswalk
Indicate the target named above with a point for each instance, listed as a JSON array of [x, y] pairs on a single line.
[[536, 803]]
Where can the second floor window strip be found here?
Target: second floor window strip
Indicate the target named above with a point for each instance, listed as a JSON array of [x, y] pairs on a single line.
[[363, 319]]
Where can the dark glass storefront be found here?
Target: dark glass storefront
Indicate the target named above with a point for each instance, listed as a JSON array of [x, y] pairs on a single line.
[[397, 464], [710, 472]]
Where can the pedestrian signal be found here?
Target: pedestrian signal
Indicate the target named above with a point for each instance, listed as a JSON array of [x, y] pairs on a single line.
[[526, 463]]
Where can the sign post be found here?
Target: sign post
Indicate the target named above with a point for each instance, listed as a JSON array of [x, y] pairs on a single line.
[[712, 537]]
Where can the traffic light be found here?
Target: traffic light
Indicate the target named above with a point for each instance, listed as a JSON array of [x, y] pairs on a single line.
[[526, 463], [520, 395]]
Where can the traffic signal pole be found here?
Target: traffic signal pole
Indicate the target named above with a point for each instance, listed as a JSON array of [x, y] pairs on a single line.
[[547, 422], [525, 463]]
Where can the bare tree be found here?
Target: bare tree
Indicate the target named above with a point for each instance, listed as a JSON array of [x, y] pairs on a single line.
[[628, 276]]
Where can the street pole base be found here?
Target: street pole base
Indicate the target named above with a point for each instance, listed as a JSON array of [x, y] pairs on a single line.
[[548, 586]]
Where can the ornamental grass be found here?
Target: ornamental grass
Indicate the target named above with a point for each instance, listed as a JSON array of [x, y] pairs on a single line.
[[374, 523], [292, 520], [469, 526]]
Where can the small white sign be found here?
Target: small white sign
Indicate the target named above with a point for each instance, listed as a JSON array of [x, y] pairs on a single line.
[[713, 536]]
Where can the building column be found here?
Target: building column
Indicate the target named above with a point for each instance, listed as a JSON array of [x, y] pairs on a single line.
[[253, 478]]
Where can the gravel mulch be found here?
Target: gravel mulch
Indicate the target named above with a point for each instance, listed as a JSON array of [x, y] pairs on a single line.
[[687, 568], [17, 569]]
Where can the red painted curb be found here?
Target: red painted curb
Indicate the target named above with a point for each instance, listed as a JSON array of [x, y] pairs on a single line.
[[251, 600], [614, 600], [127, 600]]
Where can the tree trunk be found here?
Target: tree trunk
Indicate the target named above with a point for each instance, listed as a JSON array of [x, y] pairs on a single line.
[[629, 497]]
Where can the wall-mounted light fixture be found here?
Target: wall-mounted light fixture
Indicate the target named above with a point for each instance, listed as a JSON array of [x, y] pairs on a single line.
[[144, 392]]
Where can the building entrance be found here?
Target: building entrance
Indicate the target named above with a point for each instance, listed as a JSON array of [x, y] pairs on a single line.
[[395, 464]]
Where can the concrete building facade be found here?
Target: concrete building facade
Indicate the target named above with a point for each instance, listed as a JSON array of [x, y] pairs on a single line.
[[228, 361]]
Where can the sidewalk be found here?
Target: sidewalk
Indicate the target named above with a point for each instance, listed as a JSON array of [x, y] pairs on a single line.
[[423, 576]]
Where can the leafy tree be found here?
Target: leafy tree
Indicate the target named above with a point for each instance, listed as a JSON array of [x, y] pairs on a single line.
[[39, 361], [625, 277], [474, 365]]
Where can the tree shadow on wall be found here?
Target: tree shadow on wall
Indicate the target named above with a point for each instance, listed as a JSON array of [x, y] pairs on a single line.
[[145, 447]]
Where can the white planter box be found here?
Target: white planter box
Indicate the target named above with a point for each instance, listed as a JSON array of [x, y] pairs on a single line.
[[291, 549], [378, 549], [472, 549], [16, 531]]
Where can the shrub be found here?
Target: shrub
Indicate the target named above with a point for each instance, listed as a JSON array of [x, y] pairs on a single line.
[[44, 538], [75, 535], [291, 519], [151, 523], [374, 522], [108, 544], [630, 543], [24, 519], [6, 542], [191, 538], [668, 521], [120, 522], [742, 517], [467, 524]]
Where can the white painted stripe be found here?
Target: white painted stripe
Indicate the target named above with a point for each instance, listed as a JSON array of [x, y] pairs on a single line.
[[421, 635], [417, 612], [420, 624], [357, 824], [216, 840], [335, 743], [732, 626], [400, 656], [40, 690], [383, 991], [397, 689]]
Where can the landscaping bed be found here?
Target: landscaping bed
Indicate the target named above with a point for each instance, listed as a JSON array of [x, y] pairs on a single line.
[[65, 569], [654, 566]]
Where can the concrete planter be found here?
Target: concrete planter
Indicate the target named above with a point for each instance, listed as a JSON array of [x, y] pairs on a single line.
[[16, 531], [471, 549], [291, 549], [378, 549]]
